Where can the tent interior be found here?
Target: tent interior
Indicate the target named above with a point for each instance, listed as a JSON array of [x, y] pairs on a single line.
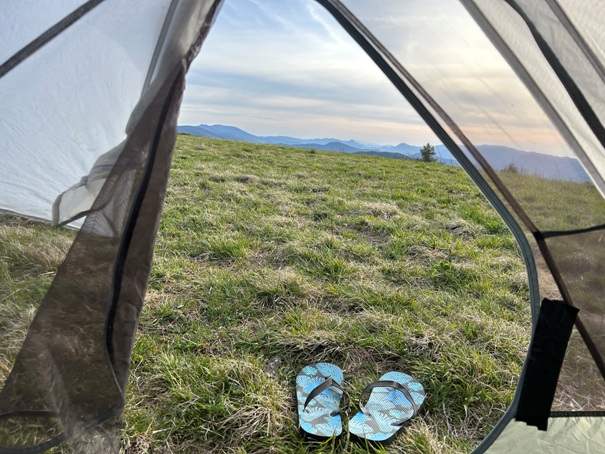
[[91, 92]]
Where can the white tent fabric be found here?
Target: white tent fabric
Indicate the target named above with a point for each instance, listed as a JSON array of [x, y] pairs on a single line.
[[572, 435], [90, 95], [16, 14], [82, 87], [514, 40], [78, 91]]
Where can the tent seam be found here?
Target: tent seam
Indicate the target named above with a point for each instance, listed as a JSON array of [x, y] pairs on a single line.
[[27, 51]]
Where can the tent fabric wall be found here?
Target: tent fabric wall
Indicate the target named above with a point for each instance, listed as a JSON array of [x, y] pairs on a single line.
[[57, 92], [556, 48], [71, 372], [511, 36], [570, 435], [82, 90], [103, 94], [545, 228], [559, 234]]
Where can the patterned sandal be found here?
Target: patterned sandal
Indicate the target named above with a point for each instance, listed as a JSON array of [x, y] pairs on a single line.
[[394, 400], [318, 391]]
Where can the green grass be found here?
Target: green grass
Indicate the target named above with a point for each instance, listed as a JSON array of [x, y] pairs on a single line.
[[270, 258], [29, 256], [568, 206], [560, 206]]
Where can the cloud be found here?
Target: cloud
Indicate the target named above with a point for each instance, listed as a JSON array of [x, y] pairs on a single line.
[[295, 66], [276, 67]]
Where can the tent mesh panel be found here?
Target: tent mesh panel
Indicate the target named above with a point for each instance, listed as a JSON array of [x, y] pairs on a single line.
[[71, 371]]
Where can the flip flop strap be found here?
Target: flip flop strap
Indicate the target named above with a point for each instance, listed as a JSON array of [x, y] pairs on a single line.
[[389, 384], [321, 388]]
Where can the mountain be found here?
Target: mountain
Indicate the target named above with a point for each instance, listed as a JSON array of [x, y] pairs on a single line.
[[403, 148], [384, 154], [200, 131], [499, 156], [220, 132], [294, 142], [234, 133], [330, 146], [532, 163]]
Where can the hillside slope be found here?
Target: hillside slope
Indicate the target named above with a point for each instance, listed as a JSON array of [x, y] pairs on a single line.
[[499, 157], [270, 258]]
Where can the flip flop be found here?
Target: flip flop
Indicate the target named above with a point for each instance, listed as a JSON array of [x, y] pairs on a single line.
[[318, 391], [394, 400]]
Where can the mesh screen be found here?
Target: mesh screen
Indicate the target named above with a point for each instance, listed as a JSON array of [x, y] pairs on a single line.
[[517, 81], [71, 371], [77, 92], [68, 380], [580, 386]]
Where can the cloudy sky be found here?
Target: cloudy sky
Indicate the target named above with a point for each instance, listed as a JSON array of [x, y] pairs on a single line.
[[275, 67]]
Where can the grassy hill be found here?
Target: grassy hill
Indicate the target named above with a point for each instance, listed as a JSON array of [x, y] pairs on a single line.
[[271, 258]]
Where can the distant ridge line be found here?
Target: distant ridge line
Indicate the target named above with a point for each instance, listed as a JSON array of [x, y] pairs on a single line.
[[500, 157]]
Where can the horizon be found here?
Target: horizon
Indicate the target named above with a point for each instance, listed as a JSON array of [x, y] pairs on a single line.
[[365, 142], [290, 69], [501, 157], [360, 141]]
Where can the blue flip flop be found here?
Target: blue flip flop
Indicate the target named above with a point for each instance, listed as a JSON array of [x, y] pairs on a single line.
[[318, 392], [394, 400]]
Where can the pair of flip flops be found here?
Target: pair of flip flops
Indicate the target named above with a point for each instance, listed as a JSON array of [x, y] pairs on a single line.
[[394, 400]]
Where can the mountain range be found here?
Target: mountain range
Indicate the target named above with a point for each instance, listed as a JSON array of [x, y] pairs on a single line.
[[499, 156]]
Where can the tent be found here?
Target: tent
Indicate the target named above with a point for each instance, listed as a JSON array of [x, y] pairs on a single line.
[[90, 95]]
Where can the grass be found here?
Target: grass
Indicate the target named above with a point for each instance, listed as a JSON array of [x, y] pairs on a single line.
[[567, 206], [29, 256], [270, 258]]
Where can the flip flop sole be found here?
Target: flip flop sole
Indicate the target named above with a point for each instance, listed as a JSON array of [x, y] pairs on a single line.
[[387, 406], [319, 418]]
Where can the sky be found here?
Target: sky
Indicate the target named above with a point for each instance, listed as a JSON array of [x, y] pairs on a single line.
[[275, 67]]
